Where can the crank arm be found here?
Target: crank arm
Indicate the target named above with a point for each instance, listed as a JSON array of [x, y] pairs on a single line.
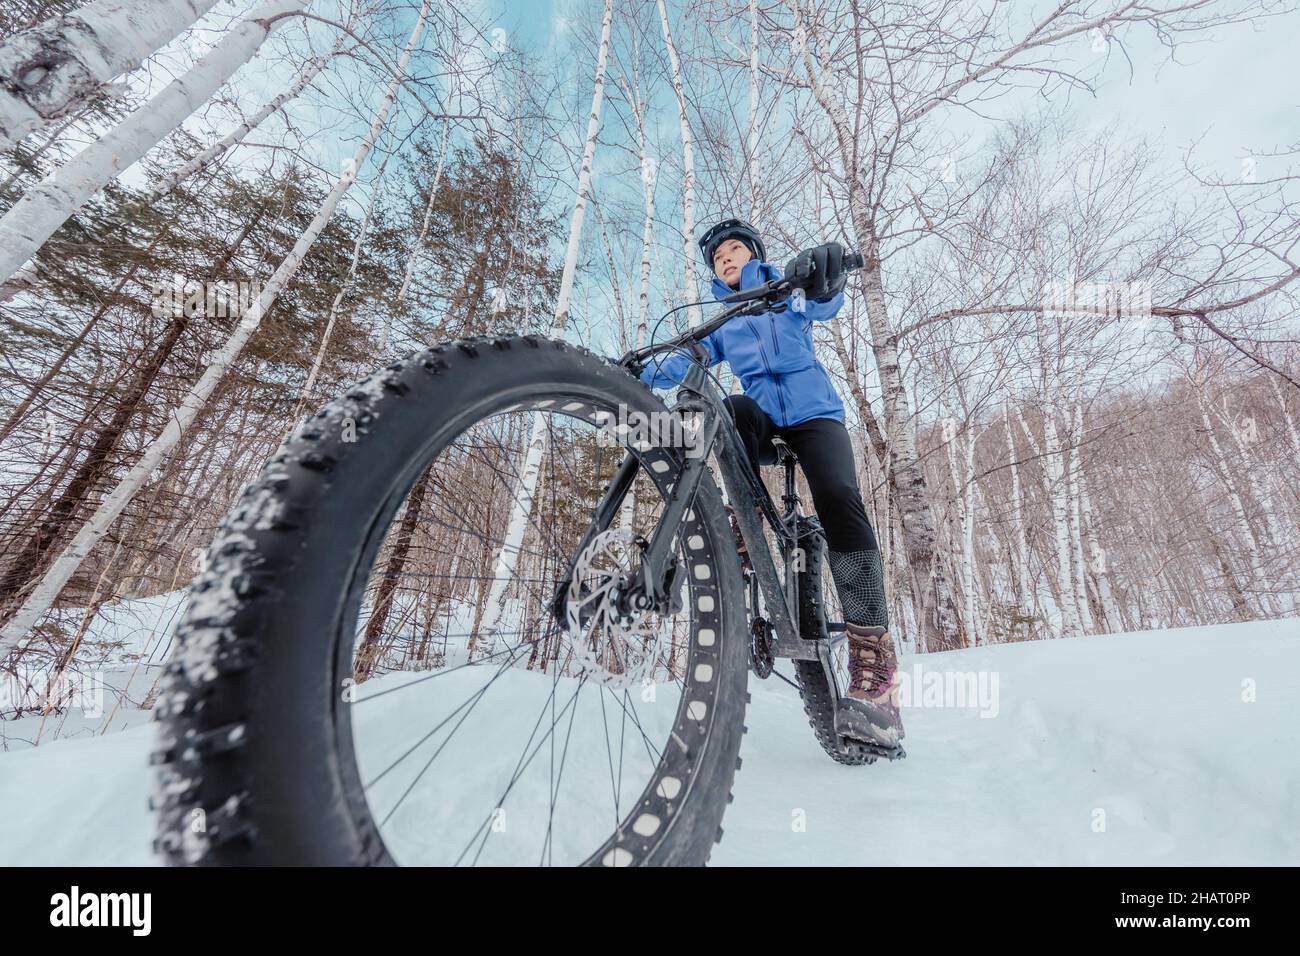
[[784, 625]]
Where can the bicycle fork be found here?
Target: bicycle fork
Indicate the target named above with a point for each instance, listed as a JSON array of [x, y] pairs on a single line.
[[659, 569]]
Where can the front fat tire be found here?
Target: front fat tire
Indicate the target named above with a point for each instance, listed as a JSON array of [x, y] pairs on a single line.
[[255, 763]]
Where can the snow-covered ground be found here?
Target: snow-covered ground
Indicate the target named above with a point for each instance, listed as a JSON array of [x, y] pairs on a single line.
[[1171, 747], [119, 660], [1153, 735]]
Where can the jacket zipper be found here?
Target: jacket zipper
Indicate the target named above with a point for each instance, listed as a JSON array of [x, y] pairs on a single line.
[[776, 379]]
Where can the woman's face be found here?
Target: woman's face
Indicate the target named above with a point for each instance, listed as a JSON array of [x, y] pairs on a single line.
[[728, 259]]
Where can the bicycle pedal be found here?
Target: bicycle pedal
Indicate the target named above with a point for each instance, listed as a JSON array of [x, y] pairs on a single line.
[[890, 753], [867, 725], [895, 752]]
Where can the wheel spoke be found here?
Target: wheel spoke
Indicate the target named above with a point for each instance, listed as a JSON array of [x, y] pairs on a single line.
[[426, 615]]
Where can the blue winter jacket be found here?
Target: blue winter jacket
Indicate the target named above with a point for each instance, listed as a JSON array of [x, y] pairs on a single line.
[[771, 354]]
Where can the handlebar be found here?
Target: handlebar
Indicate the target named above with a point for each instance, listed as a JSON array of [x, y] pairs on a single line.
[[753, 301], [780, 288]]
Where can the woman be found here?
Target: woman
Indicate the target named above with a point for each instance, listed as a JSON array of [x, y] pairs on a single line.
[[789, 394]]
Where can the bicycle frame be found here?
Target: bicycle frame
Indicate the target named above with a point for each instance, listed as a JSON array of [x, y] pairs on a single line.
[[657, 588], [658, 577]]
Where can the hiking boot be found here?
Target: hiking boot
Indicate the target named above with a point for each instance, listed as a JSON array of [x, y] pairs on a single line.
[[873, 685]]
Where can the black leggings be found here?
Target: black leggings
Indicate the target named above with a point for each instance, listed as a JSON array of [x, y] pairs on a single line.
[[826, 457]]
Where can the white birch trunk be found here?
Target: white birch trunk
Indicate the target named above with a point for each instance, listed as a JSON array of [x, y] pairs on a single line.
[[1287, 417], [1054, 469], [508, 557], [648, 178], [24, 280], [46, 206], [1281, 574], [688, 167], [1099, 561], [61, 63], [1280, 481], [1045, 595], [751, 166], [183, 416], [1020, 553], [937, 608], [615, 285], [1254, 555], [1276, 534], [1072, 477], [961, 476], [319, 358], [968, 538]]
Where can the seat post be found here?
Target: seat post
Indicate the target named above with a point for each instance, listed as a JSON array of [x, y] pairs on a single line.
[[789, 460]]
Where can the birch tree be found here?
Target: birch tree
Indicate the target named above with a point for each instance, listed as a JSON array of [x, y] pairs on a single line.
[[344, 289], [58, 65], [649, 178], [420, 237], [1223, 468], [1096, 556], [751, 154], [183, 416], [877, 97], [45, 207], [522, 500], [688, 165], [211, 154]]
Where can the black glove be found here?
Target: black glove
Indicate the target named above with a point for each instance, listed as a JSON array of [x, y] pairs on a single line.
[[819, 271]]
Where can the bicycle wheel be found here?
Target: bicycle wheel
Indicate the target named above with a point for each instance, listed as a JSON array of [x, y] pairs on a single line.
[[819, 602], [370, 672]]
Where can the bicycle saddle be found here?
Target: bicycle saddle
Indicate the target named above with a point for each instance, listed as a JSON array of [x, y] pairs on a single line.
[[783, 452]]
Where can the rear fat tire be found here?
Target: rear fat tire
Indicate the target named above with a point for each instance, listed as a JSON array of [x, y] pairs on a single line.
[[256, 762], [819, 706], [810, 676]]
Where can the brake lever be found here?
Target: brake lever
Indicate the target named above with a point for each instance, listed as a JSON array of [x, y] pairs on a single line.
[[780, 288]]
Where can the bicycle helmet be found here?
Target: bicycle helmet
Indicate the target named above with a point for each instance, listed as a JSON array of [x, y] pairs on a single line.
[[731, 229]]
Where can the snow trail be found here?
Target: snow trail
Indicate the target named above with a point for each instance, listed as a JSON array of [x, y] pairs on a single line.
[[1157, 730]]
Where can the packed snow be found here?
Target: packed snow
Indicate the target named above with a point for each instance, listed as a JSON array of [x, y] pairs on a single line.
[[1174, 747]]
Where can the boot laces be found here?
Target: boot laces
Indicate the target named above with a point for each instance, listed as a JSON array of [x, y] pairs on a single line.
[[871, 663]]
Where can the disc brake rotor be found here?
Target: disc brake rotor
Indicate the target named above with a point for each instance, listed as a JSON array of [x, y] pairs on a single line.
[[613, 646]]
